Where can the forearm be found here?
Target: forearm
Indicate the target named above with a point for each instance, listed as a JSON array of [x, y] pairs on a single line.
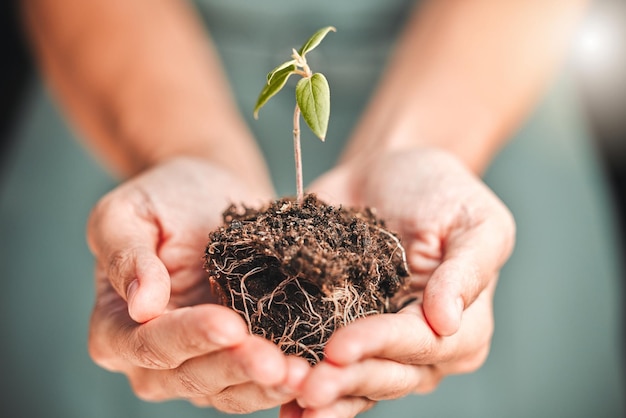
[[141, 83], [464, 76]]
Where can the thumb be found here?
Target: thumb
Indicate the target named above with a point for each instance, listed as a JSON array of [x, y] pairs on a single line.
[[472, 260], [125, 246], [139, 276]]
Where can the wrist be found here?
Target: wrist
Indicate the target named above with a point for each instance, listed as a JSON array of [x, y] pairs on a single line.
[[474, 137], [233, 150], [197, 170]]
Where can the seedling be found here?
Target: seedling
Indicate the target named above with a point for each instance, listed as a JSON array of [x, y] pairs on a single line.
[[297, 271], [312, 98]]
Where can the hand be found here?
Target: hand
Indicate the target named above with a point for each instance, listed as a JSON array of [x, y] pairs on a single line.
[[153, 319], [457, 236]]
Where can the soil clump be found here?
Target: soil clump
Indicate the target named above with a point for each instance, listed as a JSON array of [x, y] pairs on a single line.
[[296, 273]]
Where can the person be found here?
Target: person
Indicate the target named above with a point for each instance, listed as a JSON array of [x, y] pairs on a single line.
[[148, 94]]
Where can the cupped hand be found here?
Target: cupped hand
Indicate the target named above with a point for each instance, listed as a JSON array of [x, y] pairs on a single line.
[[154, 318], [457, 235]]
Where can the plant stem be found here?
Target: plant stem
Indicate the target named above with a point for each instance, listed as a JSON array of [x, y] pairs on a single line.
[[298, 156]]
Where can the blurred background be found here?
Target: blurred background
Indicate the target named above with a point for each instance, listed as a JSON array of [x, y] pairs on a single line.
[[558, 348]]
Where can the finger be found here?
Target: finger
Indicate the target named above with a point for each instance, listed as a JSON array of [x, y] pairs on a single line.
[[472, 258], [166, 341], [247, 398], [297, 371], [143, 278], [124, 235], [407, 338], [375, 379], [424, 255], [272, 397], [268, 397], [400, 336], [255, 360], [229, 400], [342, 408], [239, 399]]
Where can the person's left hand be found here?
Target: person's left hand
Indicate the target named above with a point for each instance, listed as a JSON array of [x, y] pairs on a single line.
[[457, 236]]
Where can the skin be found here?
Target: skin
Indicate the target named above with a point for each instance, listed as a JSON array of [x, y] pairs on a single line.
[[457, 235], [115, 67], [463, 77], [438, 93], [155, 317]]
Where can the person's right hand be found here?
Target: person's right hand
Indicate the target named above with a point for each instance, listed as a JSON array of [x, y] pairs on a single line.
[[154, 318]]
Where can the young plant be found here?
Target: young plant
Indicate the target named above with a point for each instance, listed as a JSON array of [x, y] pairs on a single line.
[[297, 271], [312, 98]]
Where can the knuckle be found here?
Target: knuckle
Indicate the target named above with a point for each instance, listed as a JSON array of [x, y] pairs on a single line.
[[144, 390], [101, 352], [227, 401], [98, 355], [429, 384], [234, 372], [119, 264], [243, 399], [426, 388], [190, 384], [404, 383], [119, 271], [102, 212], [423, 352], [194, 337], [473, 362], [147, 353]]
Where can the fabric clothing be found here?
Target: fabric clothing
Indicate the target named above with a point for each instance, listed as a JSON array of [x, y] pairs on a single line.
[[555, 349], [15, 74], [253, 38]]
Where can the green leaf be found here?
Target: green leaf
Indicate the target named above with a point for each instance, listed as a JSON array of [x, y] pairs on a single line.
[[315, 40], [273, 86], [313, 98], [282, 66]]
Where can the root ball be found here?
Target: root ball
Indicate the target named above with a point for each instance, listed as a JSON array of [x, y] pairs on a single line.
[[296, 273]]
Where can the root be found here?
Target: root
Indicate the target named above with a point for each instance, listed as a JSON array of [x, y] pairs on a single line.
[[297, 273], [399, 246]]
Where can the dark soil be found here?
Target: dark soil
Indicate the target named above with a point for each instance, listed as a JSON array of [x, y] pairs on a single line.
[[296, 273]]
